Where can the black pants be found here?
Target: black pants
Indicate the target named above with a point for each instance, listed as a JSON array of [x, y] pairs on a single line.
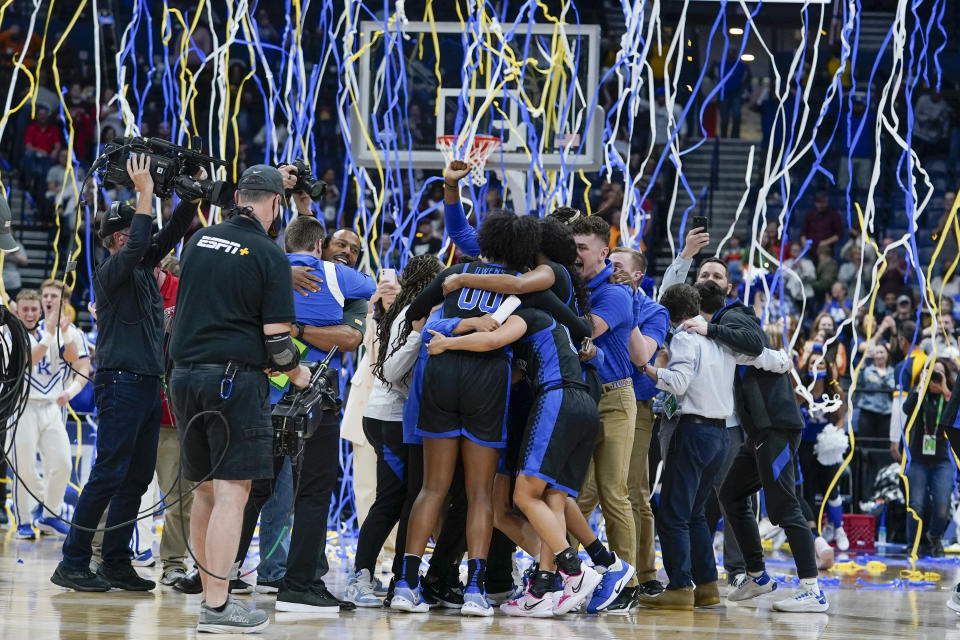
[[768, 461], [386, 438], [732, 558], [314, 481], [451, 544], [873, 425]]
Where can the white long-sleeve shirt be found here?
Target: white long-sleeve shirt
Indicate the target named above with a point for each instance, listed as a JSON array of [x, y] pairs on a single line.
[[386, 401], [700, 373]]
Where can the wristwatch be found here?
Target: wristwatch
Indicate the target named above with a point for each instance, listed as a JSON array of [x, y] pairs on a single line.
[[300, 327]]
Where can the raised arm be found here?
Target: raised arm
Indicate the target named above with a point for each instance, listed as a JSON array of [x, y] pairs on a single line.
[[772, 360], [164, 242], [454, 218], [681, 368], [579, 328]]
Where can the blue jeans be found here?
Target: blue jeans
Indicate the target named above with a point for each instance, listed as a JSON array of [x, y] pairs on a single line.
[[128, 419], [935, 480], [275, 515], [694, 458]]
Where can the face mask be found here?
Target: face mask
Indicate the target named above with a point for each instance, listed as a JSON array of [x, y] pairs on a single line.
[[274, 230]]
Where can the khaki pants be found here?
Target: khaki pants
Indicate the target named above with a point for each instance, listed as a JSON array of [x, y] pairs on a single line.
[[173, 544], [606, 481], [638, 482]]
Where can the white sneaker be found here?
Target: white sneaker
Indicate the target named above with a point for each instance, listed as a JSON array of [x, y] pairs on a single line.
[[747, 587], [804, 600], [529, 606], [779, 540], [954, 602], [840, 537], [767, 529], [577, 588], [361, 590], [828, 533], [824, 553]]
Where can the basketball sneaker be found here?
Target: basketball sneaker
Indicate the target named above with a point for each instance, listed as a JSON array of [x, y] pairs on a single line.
[[529, 606], [954, 602], [824, 553], [747, 586], [579, 587], [26, 532], [806, 599], [52, 526], [475, 603], [841, 540], [408, 599], [612, 582], [360, 590]]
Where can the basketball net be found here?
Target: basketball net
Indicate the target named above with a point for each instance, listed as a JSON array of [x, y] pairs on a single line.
[[475, 155]]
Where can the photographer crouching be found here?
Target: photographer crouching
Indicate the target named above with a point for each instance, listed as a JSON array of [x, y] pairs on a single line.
[[234, 316], [126, 387]]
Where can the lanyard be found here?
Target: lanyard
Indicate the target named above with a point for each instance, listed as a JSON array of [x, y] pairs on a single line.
[[936, 425]]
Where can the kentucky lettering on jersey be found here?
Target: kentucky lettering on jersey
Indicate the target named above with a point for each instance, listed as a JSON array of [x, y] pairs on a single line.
[[48, 376]]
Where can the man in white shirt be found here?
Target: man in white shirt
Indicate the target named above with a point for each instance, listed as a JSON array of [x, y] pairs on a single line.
[[55, 342], [700, 375]]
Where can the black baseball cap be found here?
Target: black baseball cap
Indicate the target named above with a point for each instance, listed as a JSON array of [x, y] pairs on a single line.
[[262, 177], [7, 243], [117, 218]]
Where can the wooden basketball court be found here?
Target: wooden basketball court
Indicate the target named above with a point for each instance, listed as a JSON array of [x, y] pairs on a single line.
[[32, 608]]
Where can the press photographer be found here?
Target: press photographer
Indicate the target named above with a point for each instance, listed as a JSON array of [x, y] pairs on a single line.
[[127, 386], [234, 315]]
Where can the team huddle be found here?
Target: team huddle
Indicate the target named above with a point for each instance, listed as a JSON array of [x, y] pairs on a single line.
[[542, 413]]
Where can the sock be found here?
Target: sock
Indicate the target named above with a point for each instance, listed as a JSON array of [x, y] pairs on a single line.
[[835, 512], [476, 572], [568, 561], [542, 583], [810, 583], [599, 553], [754, 574], [411, 570], [221, 608]]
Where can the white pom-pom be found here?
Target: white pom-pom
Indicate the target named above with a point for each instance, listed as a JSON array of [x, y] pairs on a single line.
[[831, 444]]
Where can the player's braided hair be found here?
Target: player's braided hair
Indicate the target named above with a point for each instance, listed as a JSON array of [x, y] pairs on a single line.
[[419, 272], [558, 245]]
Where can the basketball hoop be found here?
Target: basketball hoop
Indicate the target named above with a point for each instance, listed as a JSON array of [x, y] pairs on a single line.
[[481, 147]]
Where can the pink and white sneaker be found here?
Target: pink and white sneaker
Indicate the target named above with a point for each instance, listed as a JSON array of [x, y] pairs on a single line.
[[529, 606], [576, 589]]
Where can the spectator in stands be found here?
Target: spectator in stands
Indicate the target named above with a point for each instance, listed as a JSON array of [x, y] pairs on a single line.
[[827, 270], [931, 128], [770, 241], [912, 360], [836, 304], [799, 285], [940, 338], [904, 311], [42, 146], [892, 279], [948, 252], [821, 342], [930, 474], [425, 241], [12, 42], [849, 271], [854, 240], [823, 224], [661, 118], [873, 397], [731, 91], [858, 145]]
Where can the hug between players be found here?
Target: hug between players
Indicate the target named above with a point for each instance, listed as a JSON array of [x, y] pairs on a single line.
[[512, 394]]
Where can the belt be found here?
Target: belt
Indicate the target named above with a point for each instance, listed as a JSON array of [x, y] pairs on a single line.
[[216, 366], [617, 384], [693, 418]]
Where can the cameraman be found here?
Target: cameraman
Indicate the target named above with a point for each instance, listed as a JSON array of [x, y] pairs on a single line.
[[233, 321], [127, 387]]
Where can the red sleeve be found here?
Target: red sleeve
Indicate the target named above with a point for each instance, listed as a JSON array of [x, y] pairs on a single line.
[[30, 137]]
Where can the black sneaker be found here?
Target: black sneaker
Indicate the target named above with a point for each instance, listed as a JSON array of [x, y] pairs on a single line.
[[78, 579], [239, 586], [625, 602], [321, 591], [650, 588], [124, 576], [190, 584], [389, 597], [312, 600], [440, 595]]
